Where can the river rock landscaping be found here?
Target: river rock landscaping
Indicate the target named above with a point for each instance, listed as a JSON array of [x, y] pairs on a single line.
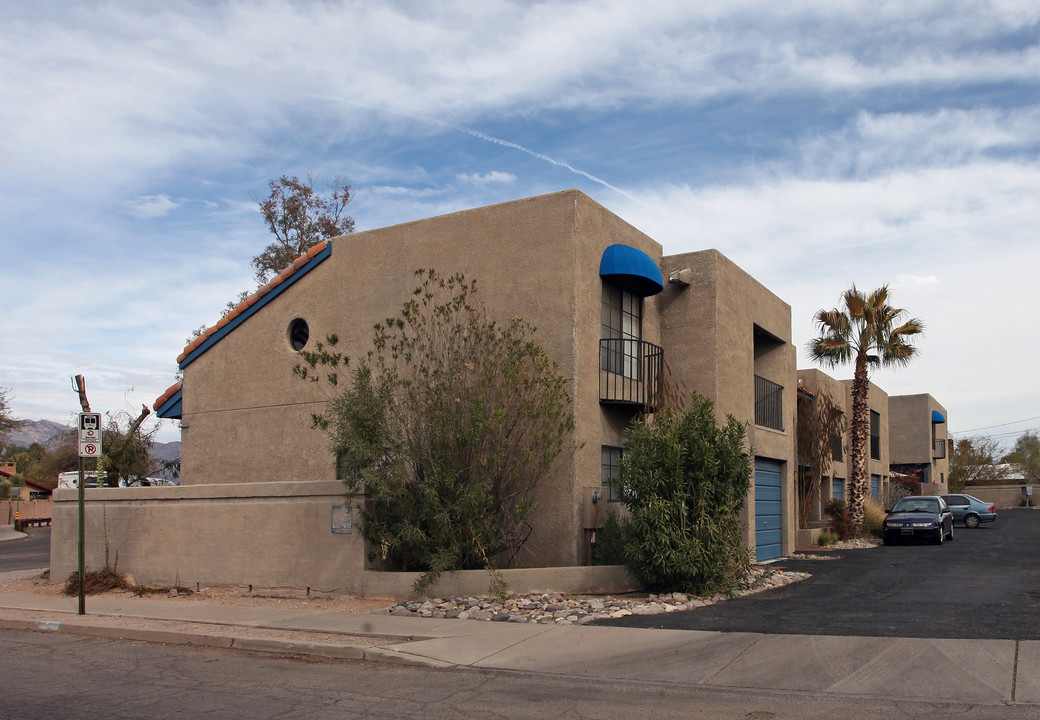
[[562, 609]]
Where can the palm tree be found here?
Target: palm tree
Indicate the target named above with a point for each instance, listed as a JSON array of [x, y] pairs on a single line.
[[865, 332]]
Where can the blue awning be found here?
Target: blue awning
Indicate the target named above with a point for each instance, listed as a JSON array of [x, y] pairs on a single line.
[[937, 417], [632, 270]]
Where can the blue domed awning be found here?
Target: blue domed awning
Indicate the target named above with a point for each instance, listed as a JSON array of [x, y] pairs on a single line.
[[632, 270], [937, 417]]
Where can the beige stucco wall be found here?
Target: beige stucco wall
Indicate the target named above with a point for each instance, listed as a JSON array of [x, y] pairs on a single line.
[[708, 331], [279, 536], [275, 534], [1004, 496]]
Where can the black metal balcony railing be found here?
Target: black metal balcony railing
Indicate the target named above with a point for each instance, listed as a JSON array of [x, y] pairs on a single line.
[[938, 449], [769, 403], [630, 372]]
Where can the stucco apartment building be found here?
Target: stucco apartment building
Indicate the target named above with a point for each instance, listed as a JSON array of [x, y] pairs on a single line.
[[259, 502], [907, 435], [919, 439]]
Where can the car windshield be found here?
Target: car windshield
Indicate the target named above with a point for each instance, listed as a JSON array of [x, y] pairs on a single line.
[[909, 505]]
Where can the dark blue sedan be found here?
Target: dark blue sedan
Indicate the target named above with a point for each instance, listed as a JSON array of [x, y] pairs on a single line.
[[969, 510], [919, 517]]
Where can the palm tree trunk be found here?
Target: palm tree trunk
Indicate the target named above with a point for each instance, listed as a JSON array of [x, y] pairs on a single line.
[[859, 432]]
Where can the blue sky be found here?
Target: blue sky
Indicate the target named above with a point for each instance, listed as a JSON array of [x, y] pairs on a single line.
[[816, 144]]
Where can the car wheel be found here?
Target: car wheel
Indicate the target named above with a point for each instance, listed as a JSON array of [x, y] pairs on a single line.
[[942, 536], [886, 541], [971, 521], [950, 536]]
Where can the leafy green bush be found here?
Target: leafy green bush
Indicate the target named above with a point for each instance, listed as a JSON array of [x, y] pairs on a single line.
[[685, 480]]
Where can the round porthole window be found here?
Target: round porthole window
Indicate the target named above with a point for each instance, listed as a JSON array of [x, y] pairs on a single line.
[[299, 334]]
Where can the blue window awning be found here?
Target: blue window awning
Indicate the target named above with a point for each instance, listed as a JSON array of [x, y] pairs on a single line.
[[632, 270], [937, 417]]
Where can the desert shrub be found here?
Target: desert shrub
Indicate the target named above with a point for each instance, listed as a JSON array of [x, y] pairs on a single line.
[[449, 428], [826, 538], [842, 523], [897, 489], [873, 517]]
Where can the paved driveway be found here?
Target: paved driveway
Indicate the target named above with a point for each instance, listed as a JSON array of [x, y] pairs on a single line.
[[985, 584]]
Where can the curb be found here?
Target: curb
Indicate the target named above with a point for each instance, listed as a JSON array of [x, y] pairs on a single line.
[[226, 642]]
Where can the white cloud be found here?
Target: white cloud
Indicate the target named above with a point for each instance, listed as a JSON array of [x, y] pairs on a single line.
[[151, 206], [491, 178], [921, 280]]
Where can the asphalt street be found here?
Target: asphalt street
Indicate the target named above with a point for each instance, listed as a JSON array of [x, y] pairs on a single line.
[[55, 676], [983, 585], [28, 553]]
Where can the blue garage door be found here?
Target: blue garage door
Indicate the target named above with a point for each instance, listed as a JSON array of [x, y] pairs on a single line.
[[768, 520]]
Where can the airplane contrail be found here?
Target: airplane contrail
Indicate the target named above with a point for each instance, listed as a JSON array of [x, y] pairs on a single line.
[[546, 158]]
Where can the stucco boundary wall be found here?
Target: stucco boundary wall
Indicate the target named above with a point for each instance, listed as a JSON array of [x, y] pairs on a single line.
[[259, 536], [573, 580], [1003, 496]]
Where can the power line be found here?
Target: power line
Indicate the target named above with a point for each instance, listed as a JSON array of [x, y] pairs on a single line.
[[1014, 422]]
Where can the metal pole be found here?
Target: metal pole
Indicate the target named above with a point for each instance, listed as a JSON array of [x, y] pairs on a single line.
[[82, 544]]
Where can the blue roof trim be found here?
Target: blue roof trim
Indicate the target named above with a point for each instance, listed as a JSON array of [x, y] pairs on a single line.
[[249, 312], [171, 409], [937, 417], [632, 270]]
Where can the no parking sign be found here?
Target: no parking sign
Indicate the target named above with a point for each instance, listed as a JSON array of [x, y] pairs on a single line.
[[90, 434]]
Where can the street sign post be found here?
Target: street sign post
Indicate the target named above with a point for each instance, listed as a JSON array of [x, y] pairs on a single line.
[[89, 446]]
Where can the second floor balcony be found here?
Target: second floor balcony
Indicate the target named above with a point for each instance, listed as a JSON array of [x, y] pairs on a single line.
[[938, 449], [769, 403], [630, 372]]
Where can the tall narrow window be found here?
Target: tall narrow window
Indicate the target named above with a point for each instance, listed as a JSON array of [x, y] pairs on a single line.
[[875, 436], [622, 325], [611, 470]]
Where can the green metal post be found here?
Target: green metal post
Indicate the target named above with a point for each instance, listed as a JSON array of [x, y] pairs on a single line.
[[82, 544]]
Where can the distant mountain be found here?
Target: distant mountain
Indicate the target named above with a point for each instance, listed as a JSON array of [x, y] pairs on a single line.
[[166, 451], [45, 432]]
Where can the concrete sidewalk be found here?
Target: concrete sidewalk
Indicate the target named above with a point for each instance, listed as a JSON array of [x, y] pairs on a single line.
[[7, 532], [981, 671]]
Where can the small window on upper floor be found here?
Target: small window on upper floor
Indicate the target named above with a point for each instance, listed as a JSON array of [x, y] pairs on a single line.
[[875, 435], [299, 334]]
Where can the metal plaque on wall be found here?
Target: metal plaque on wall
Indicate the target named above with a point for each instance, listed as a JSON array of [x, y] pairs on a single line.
[[342, 519]]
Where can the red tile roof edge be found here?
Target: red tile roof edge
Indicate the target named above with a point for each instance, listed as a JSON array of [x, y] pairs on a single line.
[[252, 299], [170, 392]]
